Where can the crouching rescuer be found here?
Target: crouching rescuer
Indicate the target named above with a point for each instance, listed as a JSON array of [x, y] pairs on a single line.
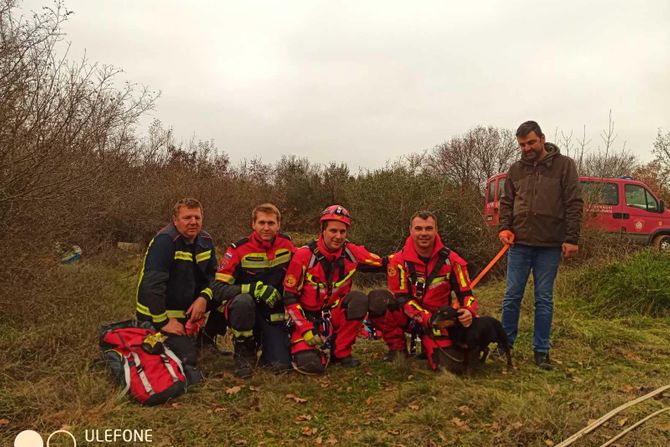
[[174, 291], [326, 315], [248, 289], [422, 277]]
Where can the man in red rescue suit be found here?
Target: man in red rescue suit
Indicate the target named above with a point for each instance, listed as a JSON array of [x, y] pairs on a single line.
[[248, 288], [422, 276], [325, 313]]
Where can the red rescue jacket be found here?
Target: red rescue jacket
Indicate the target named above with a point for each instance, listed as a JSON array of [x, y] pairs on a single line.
[[420, 288], [318, 279]]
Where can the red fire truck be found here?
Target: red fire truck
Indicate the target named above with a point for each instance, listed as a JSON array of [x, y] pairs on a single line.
[[618, 205]]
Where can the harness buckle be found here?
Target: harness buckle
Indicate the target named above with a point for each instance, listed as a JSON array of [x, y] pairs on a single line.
[[420, 287]]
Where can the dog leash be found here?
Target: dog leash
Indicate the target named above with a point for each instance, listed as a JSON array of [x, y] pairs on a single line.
[[490, 265]]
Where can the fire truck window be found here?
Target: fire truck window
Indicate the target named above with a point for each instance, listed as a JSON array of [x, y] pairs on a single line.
[[600, 193], [501, 188], [652, 204], [636, 196], [490, 197]]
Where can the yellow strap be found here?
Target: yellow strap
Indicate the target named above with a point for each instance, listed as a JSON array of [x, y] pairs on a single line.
[[176, 314], [277, 317], [461, 276]]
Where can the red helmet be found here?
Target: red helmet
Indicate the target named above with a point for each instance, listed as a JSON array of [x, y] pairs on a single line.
[[336, 212]]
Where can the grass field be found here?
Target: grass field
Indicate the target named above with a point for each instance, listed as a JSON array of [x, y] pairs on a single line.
[[51, 378]]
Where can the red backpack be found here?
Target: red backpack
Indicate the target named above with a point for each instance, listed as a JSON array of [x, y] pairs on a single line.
[[152, 379]]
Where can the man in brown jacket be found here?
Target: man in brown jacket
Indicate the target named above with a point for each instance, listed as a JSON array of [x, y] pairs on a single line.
[[540, 215]]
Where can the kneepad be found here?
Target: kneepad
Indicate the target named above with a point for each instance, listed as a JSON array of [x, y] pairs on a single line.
[[379, 300], [357, 305], [242, 312], [308, 362]]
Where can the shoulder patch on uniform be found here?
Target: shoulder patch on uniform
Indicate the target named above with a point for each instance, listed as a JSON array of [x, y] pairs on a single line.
[[290, 280], [240, 242], [391, 270]]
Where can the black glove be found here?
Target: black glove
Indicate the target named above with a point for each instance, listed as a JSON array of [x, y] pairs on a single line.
[[267, 294]]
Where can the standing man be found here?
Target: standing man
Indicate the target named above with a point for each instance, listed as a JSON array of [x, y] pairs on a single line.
[[325, 313], [540, 215], [174, 285], [421, 277], [249, 286]]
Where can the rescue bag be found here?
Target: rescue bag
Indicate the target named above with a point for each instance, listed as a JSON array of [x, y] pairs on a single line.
[[152, 379]]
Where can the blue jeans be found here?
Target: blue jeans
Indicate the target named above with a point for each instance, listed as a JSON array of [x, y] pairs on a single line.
[[543, 261]]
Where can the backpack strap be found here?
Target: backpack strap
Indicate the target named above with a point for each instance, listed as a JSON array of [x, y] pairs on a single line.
[[141, 374]]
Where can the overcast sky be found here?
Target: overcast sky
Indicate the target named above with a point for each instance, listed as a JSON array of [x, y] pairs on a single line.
[[368, 81]]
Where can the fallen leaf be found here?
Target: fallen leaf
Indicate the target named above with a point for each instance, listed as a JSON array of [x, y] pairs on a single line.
[[413, 407], [4, 421], [549, 443], [253, 388], [458, 422], [300, 400], [332, 440], [306, 431], [318, 440], [665, 426], [621, 422], [175, 405], [517, 425], [627, 388], [303, 417], [632, 356], [368, 401], [464, 409], [233, 390], [410, 377]]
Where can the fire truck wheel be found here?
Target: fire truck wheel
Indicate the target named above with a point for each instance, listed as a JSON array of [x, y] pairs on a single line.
[[662, 242]]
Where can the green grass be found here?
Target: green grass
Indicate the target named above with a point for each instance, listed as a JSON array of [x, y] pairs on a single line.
[[50, 377]]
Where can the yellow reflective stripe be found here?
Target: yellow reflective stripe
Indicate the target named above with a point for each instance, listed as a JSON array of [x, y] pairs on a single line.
[[207, 292], [277, 317], [461, 276], [310, 279], [141, 308], [343, 280], [249, 333], [439, 279], [230, 279], [401, 271], [139, 281], [183, 256], [260, 260], [471, 299], [204, 256], [417, 307], [176, 313], [437, 332]]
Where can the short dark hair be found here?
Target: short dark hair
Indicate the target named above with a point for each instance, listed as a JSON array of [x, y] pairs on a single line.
[[423, 215], [528, 127], [267, 208], [188, 203]]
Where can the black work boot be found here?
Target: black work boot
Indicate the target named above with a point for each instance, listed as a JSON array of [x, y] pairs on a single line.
[[244, 357], [347, 362], [543, 361], [394, 354]]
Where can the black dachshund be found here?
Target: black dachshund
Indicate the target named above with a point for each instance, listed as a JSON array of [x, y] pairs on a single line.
[[474, 340]]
